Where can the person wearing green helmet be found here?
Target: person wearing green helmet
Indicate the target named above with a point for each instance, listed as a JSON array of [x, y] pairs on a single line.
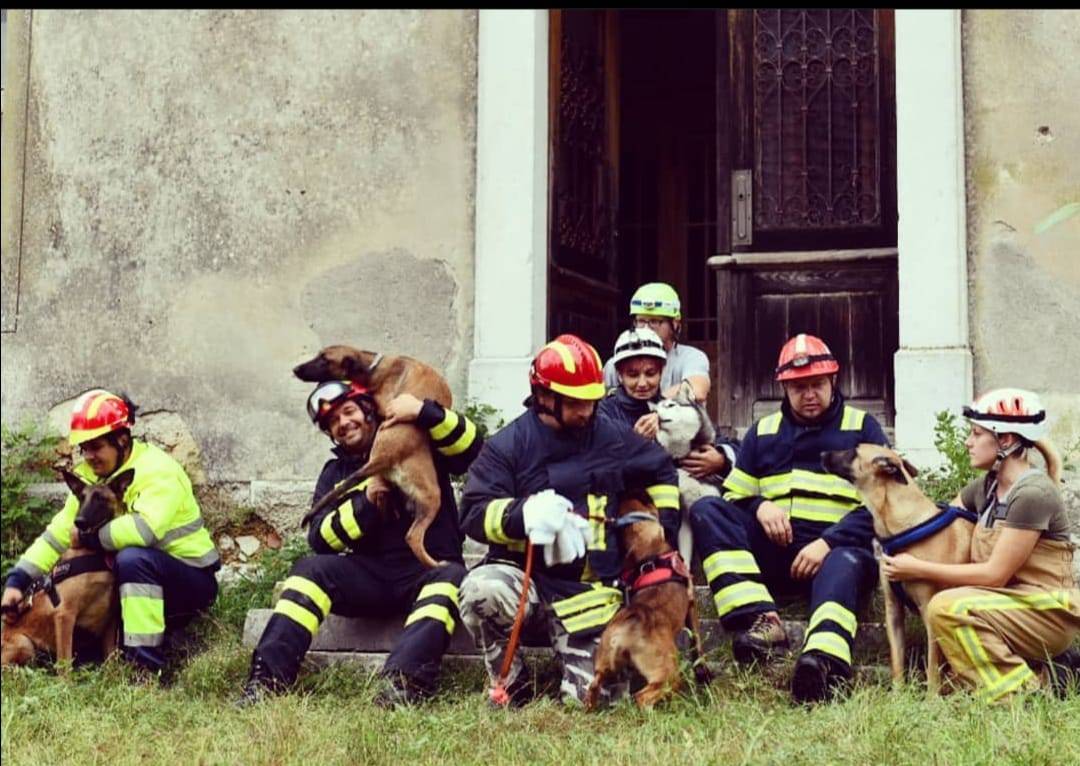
[[656, 305]]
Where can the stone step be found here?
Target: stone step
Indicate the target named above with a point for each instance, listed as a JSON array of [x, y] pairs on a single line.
[[378, 634]]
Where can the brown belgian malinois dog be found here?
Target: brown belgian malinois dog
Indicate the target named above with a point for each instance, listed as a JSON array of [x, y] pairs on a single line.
[[642, 634], [885, 481], [80, 591], [401, 453]]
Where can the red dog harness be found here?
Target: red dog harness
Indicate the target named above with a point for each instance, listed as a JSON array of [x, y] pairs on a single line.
[[667, 567]]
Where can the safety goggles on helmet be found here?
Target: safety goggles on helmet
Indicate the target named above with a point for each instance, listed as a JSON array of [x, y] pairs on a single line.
[[328, 395], [639, 342]]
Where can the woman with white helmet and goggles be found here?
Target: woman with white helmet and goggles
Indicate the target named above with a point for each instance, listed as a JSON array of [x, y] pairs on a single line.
[[1017, 604]]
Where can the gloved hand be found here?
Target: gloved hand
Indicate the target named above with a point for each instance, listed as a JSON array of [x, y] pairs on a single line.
[[544, 514], [570, 542]]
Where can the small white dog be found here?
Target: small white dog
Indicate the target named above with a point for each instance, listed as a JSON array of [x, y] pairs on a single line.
[[685, 426]]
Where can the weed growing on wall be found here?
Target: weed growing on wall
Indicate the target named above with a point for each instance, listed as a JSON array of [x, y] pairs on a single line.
[[28, 453], [944, 482]]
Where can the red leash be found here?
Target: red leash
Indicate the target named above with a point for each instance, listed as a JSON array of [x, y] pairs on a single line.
[[498, 692]]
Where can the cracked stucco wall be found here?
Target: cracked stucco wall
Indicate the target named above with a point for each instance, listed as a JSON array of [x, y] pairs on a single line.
[[1021, 81], [208, 197]]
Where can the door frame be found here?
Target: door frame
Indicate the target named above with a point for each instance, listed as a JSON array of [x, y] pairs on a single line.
[[933, 366]]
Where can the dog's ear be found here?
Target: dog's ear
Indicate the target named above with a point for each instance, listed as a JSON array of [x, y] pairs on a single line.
[[686, 393], [912, 470], [354, 368], [75, 483], [119, 484], [887, 466]]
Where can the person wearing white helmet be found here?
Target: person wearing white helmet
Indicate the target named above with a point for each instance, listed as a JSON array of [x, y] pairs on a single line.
[[656, 306], [1017, 603]]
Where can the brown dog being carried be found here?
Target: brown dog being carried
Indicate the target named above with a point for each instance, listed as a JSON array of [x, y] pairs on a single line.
[[80, 590], [642, 634], [401, 454], [885, 481]]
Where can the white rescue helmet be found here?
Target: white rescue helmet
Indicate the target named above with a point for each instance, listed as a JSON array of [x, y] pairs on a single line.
[[1009, 411], [640, 341]]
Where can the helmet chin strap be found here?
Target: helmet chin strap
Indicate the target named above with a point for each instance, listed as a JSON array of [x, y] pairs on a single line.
[[1002, 454], [557, 413]]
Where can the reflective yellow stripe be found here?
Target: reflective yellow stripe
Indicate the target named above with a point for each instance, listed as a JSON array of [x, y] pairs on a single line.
[[436, 612], [729, 562], [591, 619], [770, 424], [838, 613], [664, 495], [794, 481], [740, 594], [830, 643], [1008, 683], [326, 531], [311, 590], [564, 354], [817, 509], [741, 484], [853, 419], [444, 428], [447, 589], [597, 516], [463, 443], [493, 520], [347, 517], [297, 614], [596, 596]]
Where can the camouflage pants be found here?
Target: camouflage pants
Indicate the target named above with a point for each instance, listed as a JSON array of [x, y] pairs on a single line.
[[489, 603]]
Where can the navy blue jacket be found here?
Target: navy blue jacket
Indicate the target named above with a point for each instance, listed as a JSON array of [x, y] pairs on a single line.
[[590, 469], [356, 524], [780, 460]]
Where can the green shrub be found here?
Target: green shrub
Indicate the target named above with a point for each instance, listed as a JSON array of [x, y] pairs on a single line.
[[944, 482], [487, 418], [28, 453]]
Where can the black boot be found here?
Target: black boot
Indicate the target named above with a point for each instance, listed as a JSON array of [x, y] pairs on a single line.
[[1065, 672], [819, 678], [261, 683]]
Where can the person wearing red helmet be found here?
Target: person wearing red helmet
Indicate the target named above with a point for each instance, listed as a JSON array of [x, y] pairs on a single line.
[[361, 562], [1017, 603], [553, 477], [165, 558], [786, 523]]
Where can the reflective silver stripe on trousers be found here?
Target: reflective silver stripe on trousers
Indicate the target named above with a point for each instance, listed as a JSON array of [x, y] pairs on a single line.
[[148, 590], [184, 531], [143, 639]]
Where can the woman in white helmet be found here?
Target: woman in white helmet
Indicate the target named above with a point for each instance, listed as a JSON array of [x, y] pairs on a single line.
[[1018, 600]]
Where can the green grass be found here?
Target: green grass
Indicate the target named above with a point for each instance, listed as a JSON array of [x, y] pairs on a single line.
[[100, 715]]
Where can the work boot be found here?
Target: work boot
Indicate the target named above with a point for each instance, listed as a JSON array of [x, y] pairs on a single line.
[[1064, 672], [765, 638], [260, 684], [399, 690], [819, 678], [518, 694]]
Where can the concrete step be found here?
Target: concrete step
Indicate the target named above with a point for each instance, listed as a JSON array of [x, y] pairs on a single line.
[[378, 634]]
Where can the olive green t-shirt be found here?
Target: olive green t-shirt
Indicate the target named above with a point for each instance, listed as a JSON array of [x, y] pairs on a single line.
[[1033, 502]]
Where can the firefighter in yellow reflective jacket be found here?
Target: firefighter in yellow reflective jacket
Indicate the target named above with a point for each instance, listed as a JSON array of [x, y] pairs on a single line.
[[1016, 605], [165, 558], [553, 476], [786, 523], [362, 564]]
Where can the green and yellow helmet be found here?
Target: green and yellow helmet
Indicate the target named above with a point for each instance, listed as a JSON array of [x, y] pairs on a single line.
[[656, 299]]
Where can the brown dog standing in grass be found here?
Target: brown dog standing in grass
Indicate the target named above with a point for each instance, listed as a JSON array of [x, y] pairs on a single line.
[[885, 481], [401, 454], [88, 600], [643, 633]]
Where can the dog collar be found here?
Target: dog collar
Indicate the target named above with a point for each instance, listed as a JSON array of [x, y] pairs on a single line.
[[933, 525], [666, 567]]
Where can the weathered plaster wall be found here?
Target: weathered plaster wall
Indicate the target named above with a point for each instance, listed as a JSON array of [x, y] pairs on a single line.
[[210, 196], [1022, 121]]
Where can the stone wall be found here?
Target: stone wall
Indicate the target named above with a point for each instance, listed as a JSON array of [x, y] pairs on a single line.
[[195, 201]]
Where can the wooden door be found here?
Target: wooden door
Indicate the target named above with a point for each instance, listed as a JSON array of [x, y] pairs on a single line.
[[807, 200], [583, 293]]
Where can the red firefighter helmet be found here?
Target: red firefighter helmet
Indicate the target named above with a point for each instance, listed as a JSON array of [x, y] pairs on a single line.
[[569, 366], [96, 413], [331, 393], [805, 356]]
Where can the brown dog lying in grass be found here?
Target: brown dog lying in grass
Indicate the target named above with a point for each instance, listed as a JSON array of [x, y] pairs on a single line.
[[642, 634], [401, 453], [81, 581], [885, 481]]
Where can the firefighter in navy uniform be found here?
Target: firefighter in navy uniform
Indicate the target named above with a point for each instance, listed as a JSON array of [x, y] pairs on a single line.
[[785, 522], [362, 564], [553, 476]]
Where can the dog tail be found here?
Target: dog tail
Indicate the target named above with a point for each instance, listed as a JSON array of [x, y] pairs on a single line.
[[336, 495], [1052, 458]]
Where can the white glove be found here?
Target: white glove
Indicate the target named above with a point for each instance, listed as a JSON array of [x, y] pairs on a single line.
[[544, 514], [570, 542]]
